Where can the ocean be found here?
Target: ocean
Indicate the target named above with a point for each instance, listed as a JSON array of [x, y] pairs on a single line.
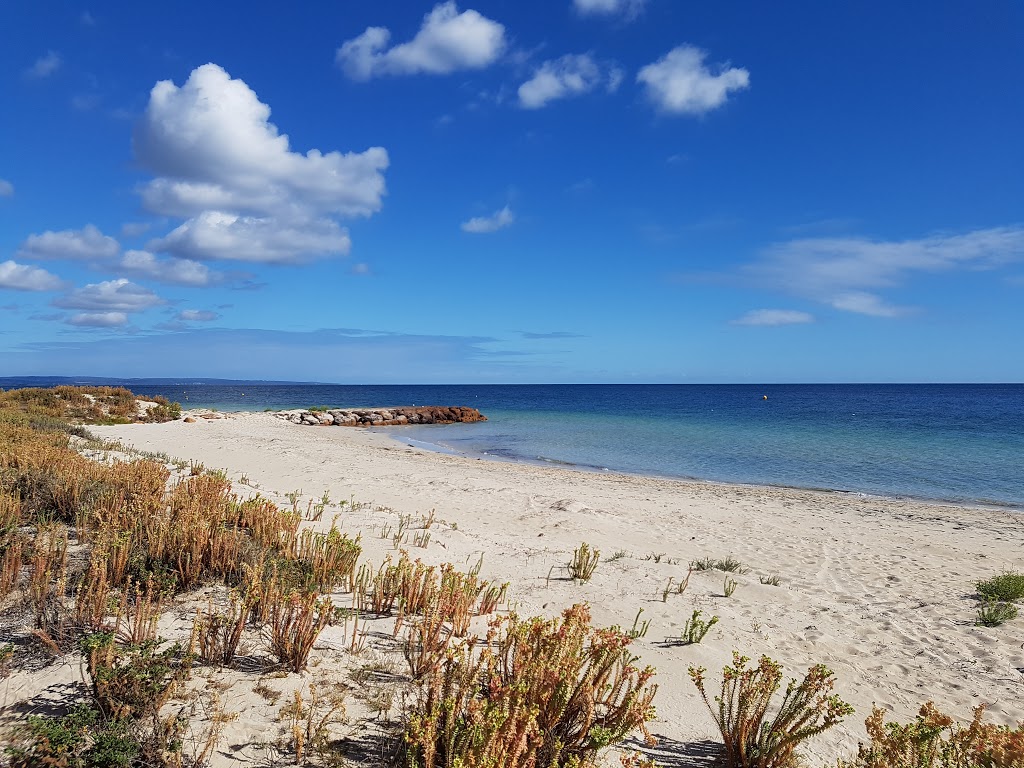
[[961, 443]]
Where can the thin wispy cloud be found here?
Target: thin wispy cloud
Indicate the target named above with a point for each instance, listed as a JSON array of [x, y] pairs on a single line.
[[850, 273], [6, 188], [550, 335], [629, 9], [44, 66], [197, 316], [448, 41], [773, 317], [565, 77], [487, 224], [681, 83], [98, 320]]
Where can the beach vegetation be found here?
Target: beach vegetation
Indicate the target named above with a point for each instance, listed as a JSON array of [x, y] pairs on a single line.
[[752, 737], [617, 555], [993, 613], [1007, 587], [728, 564], [771, 580], [539, 693], [729, 587], [696, 628], [935, 740], [584, 563]]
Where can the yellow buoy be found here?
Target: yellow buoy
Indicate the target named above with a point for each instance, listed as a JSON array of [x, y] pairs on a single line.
[[766, 397]]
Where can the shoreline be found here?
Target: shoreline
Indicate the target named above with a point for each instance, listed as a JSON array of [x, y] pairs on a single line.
[[878, 589], [990, 505]]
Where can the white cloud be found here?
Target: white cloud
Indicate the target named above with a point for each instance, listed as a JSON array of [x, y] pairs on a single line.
[[447, 41], [566, 76], [119, 295], [6, 188], [629, 8], [83, 244], [846, 273], [44, 66], [135, 228], [486, 224], [229, 237], [680, 83], [196, 316], [774, 317], [225, 168], [98, 319], [22, 277], [173, 271]]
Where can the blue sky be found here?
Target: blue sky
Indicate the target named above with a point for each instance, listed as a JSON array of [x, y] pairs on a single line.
[[557, 191]]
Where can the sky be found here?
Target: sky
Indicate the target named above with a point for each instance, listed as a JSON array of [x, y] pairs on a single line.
[[510, 191]]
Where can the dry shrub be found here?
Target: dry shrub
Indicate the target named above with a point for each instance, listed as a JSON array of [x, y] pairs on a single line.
[[92, 598], [332, 555], [48, 585], [751, 739], [12, 543], [541, 694], [935, 740], [295, 621], [309, 722], [138, 612], [216, 636]]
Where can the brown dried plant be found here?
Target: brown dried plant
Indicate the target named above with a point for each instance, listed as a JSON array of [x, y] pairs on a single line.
[[333, 557], [541, 694], [216, 636], [138, 612], [935, 740], [12, 542], [752, 739], [295, 621], [309, 723]]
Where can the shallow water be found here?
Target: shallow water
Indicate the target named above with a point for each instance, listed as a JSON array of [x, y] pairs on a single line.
[[952, 442]]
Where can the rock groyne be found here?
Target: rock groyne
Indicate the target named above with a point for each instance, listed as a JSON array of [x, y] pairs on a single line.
[[383, 417]]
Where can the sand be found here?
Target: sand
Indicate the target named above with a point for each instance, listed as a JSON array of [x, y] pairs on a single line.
[[880, 590]]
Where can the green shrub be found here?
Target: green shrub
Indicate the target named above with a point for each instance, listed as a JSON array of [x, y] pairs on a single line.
[[80, 739], [696, 628], [1007, 587], [992, 613], [584, 562]]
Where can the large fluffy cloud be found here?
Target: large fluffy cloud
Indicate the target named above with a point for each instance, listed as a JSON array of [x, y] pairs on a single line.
[[22, 277], [225, 168], [110, 296], [446, 42], [569, 75], [86, 244], [679, 82]]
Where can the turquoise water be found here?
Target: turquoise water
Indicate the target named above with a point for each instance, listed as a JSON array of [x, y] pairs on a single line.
[[951, 442]]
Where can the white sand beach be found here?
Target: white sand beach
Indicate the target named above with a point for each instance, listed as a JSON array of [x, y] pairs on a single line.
[[880, 590]]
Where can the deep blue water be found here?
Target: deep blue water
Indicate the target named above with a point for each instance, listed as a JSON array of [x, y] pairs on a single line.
[[954, 442]]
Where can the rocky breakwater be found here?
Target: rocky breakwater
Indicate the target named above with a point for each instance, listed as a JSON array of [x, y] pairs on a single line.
[[384, 417]]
